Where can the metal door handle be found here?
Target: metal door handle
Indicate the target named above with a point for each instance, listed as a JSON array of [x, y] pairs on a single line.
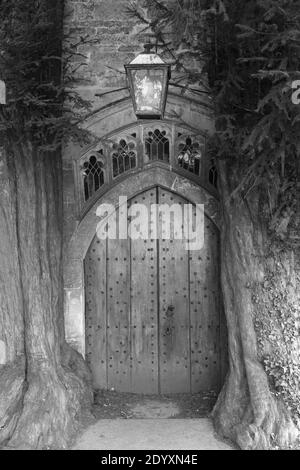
[[170, 311], [167, 331]]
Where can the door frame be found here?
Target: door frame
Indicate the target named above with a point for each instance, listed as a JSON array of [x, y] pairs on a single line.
[[74, 307]]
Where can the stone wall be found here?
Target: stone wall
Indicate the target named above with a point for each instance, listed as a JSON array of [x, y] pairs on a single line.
[[119, 39]]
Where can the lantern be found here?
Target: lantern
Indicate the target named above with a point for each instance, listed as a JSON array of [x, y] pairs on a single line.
[[148, 76]]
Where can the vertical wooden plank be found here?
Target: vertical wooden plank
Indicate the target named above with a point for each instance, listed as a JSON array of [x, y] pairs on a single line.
[[95, 311], [174, 344], [144, 304], [118, 314], [205, 312]]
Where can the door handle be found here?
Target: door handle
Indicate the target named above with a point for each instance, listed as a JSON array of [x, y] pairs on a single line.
[[168, 331], [170, 311]]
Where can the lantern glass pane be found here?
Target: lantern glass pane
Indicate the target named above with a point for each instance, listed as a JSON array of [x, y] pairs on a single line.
[[148, 90]]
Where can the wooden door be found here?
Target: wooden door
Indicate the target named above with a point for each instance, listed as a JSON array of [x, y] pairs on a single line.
[[153, 313]]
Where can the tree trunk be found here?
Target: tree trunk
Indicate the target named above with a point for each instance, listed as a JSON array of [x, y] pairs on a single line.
[[248, 411], [44, 385]]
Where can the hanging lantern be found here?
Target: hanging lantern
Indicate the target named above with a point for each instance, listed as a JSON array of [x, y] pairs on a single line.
[[148, 76]]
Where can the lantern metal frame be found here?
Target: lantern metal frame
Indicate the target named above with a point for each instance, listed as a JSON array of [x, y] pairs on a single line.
[[140, 66]]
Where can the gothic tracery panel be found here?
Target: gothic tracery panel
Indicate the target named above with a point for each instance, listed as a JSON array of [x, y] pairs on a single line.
[[190, 154], [145, 143], [157, 145], [124, 157], [92, 171]]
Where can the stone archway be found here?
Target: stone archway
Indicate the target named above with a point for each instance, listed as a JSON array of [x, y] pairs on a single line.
[[86, 230], [152, 303]]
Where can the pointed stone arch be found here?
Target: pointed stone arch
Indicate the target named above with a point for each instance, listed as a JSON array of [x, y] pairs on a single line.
[[82, 237]]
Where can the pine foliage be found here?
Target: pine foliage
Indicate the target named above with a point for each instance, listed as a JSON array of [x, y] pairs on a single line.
[[37, 63]]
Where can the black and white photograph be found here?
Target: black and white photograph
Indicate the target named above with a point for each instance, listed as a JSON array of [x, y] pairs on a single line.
[[149, 228]]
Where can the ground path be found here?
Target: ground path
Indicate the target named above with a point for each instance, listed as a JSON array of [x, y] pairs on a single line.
[[133, 423]]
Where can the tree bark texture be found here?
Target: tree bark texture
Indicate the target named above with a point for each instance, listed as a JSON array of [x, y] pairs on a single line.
[[44, 385], [247, 410]]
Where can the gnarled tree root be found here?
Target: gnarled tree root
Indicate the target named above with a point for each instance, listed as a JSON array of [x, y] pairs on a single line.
[[12, 390], [43, 410], [239, 421]]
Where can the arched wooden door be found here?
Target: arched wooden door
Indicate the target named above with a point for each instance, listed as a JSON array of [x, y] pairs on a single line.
[[153, 316]]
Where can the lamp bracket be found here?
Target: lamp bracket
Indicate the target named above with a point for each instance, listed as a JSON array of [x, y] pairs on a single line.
[[148, 46]]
